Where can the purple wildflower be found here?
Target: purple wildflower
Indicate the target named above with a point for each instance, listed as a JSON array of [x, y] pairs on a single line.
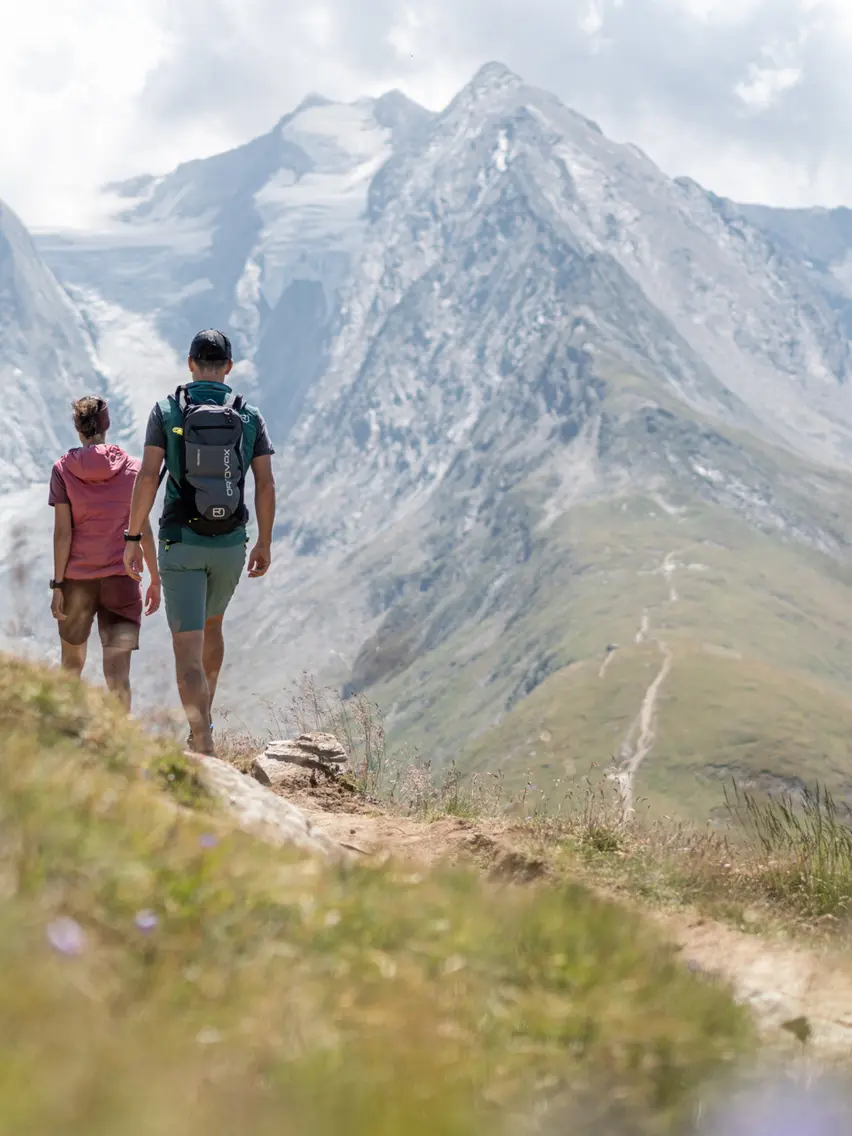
[[208, 840], [786, 1111], [146, 920], [66, 936]]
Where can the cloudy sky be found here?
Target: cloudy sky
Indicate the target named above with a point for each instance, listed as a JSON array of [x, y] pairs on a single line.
[[751, 97]]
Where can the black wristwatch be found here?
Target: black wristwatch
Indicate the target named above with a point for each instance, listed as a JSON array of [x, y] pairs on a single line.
[[56, 584], [128, 539]]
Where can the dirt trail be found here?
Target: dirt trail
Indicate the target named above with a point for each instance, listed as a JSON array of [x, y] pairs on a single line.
[[374, 834], [642, 633], [783, 982], [632, 755], [668, 569], [605, 664], [780, 981]]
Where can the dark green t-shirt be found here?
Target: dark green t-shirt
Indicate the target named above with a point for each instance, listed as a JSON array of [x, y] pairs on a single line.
[[256, 441]]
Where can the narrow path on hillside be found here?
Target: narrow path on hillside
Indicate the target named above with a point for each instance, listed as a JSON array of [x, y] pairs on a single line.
[[782, 982], [644, 627], [644, 730], [668, 569], [365, 829], [642, 733]]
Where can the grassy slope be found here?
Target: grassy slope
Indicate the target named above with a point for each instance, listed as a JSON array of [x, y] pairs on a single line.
[[718, 718], [785, 609], [276, 994]]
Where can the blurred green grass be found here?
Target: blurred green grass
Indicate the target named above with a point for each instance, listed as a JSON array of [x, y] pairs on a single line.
[[161, 973]]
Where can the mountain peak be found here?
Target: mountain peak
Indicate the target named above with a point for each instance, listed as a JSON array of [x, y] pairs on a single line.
[[15, 240], [400, 114], [8, 217], [310, 101], [495, 76], [397, 102], [491, 82]]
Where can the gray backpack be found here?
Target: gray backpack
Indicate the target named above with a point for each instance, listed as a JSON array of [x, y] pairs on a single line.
[[204, 459]]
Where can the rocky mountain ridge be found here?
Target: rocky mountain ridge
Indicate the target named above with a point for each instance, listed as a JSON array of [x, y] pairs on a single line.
[[45, 351]]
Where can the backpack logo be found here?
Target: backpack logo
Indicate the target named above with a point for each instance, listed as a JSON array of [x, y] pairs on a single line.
[[229, 489], [219, 512]]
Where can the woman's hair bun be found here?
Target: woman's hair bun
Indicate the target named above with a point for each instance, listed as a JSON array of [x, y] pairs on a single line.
[[91, 416]]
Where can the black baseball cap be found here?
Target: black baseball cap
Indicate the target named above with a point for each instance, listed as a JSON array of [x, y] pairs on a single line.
[[211, 346]]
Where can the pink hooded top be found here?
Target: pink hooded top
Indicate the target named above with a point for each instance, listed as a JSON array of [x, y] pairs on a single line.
[[97, 482]]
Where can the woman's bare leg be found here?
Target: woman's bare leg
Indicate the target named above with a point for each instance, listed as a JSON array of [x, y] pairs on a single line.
[[117, 673], [73, 657]]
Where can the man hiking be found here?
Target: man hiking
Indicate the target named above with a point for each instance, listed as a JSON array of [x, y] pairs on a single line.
[[205, 438], [90, 490]]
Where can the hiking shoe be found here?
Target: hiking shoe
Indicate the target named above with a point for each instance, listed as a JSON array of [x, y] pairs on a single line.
[[190, 740]]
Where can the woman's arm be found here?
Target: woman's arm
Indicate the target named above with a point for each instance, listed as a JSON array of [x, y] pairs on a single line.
[[63, 532], [149, 552]]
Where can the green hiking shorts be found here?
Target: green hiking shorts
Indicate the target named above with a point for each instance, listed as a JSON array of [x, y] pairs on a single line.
[[198, 581]]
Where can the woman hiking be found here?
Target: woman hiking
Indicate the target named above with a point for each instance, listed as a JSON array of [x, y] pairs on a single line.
[[90, 491]]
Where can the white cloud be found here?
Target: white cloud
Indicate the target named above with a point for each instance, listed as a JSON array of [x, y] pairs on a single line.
[[91, 90], [592, 20], [71, 72], [765, 84]]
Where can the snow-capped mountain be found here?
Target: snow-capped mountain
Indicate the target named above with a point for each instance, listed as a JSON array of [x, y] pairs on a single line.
[[483, 339], [56, 345], [45, 358], [261, 240], [518, 231]]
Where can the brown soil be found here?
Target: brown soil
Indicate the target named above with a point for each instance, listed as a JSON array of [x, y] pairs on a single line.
[[790, 986], [375, 834]]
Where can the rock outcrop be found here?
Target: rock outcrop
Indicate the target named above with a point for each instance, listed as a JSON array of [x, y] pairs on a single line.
[[264, 814], [322, 752]]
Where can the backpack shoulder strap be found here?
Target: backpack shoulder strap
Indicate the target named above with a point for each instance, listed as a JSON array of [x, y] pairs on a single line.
[[236, 402], [181, 399], [173, 415]]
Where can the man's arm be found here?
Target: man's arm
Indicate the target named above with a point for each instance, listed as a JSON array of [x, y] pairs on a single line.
[[63, 531], [149, 552], [264, 506], [141, 504]]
